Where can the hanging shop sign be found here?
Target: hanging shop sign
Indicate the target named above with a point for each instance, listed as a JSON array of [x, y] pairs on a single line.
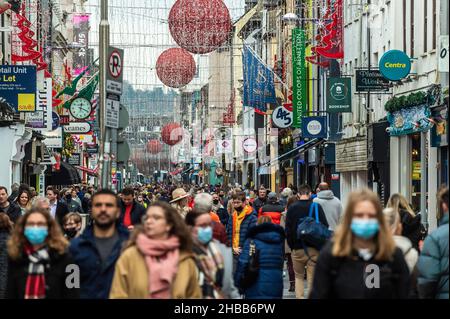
[[250, 145], [443, 53], [395, 65], [314, 127], [54, 138], [440, 129], [78, 128], [282, 117], [92, 148], [75, 159], [409, 120], [81, 40], [370, 80], [339, 95], [64, 120], [18, 87], [42, 118], [55, 121], [299, 76]]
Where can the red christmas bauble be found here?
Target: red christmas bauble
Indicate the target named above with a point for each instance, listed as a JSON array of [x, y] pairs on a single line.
[[154, 146], [175, 67], [172, 134], [199, 26]]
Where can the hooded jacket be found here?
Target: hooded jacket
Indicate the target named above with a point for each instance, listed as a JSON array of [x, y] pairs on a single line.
[[433, 264], [272, 209], [269, 241], [409, 252], [332, 207]]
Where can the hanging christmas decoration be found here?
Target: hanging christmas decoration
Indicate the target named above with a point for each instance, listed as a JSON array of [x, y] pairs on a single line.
[[321, 30], [332, 43], [175, 67], [4, 6], [154, 147], [199, 26], [172, 134]]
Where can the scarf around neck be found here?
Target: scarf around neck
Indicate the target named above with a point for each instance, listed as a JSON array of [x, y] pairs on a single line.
[[161, 258], [35, 284]]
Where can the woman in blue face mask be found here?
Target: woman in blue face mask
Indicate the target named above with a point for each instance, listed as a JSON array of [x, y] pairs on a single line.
[[38, 261], [214, 260], [362, 261]]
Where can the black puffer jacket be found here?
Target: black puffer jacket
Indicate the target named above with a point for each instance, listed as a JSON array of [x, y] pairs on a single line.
[[3, 263]]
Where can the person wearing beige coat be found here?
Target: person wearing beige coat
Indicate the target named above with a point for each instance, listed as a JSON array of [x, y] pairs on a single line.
[[131, 277]]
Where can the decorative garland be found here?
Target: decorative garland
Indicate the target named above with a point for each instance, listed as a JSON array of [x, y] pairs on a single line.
[[414, 99]]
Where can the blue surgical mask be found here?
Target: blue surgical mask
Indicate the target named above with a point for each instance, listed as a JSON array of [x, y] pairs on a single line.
[[204, 235], [36, 235], [365, 228]]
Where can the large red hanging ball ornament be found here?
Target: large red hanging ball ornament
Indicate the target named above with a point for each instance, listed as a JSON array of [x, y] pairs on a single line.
[[172, 134], [175, 67], [154, 147], [199, 26]]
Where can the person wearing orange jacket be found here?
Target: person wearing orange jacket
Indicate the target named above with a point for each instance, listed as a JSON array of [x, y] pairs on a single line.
[[241, 220]]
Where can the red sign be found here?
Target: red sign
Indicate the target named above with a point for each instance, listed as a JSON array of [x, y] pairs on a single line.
[[334, 177]]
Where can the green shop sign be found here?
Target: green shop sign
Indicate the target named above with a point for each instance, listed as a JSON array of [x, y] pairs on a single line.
[[300, 76], [339, 95]]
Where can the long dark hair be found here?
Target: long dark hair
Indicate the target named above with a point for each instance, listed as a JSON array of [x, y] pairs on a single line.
[[5, 223], [173, 218], [20, 194]]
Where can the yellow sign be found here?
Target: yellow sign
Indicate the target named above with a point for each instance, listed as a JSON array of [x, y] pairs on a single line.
[[26, 102], [416, 171]]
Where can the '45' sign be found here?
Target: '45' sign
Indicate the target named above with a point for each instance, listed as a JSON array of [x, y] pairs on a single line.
[[281, 117]]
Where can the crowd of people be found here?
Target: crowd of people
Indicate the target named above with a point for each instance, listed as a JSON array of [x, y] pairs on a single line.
[[183, 241]]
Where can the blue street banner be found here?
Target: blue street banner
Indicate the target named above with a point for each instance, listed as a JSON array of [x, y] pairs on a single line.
[[18, 87], [259, 87], [314, 127]]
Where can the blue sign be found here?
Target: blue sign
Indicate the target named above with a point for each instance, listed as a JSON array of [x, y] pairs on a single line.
[[18, 87], [314, 127], [409, 120], [395, 65], [259, 87], [55, 121]]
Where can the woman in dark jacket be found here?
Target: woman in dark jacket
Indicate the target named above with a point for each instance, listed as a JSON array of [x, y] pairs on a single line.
[[362, 261], [39, 265], [6, 227], [269, 241]]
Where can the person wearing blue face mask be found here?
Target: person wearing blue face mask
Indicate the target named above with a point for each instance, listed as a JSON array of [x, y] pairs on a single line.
[[38, 260], [214, 260], [362, 260]]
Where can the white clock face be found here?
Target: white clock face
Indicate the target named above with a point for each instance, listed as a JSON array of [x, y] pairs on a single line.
[[80, 108]]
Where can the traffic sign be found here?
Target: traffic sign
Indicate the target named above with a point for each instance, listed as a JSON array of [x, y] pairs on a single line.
[[250, 145], [114, 79], [112, 110]]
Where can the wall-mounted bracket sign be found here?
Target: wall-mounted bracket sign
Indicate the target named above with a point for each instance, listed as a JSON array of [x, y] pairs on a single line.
[[395, 65]]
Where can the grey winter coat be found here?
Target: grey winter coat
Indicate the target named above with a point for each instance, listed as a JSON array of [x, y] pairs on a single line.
[[228, 287], [332, 207], [433, 264]]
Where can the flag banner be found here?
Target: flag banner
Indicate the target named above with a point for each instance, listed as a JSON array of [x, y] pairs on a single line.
[[80, 38], [259, 87], [300, 93]]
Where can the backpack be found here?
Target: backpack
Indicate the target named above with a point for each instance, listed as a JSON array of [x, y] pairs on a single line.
[[251, 272], [311, 232]]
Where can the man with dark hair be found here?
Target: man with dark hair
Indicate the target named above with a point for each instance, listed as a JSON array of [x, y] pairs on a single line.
[[241, 220], [261, 200], [11, 209], [58, 209], [302, 256], [131, 210], [97, 249], [331, 205], [273, 208]]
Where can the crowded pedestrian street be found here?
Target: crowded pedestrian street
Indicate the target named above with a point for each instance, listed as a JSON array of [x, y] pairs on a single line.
[[253, 151]]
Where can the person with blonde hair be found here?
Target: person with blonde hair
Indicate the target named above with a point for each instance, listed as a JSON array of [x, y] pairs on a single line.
[[38, 259], [72, 224], [412, 227], [362, 256]]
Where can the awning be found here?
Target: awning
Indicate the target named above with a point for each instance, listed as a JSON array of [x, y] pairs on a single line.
[[67, 175], [295, 152]]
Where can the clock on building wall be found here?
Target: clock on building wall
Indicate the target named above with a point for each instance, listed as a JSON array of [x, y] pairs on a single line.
[[80, 108]]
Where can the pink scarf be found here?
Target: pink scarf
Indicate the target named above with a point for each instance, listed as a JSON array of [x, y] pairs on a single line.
[[161, 257]]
